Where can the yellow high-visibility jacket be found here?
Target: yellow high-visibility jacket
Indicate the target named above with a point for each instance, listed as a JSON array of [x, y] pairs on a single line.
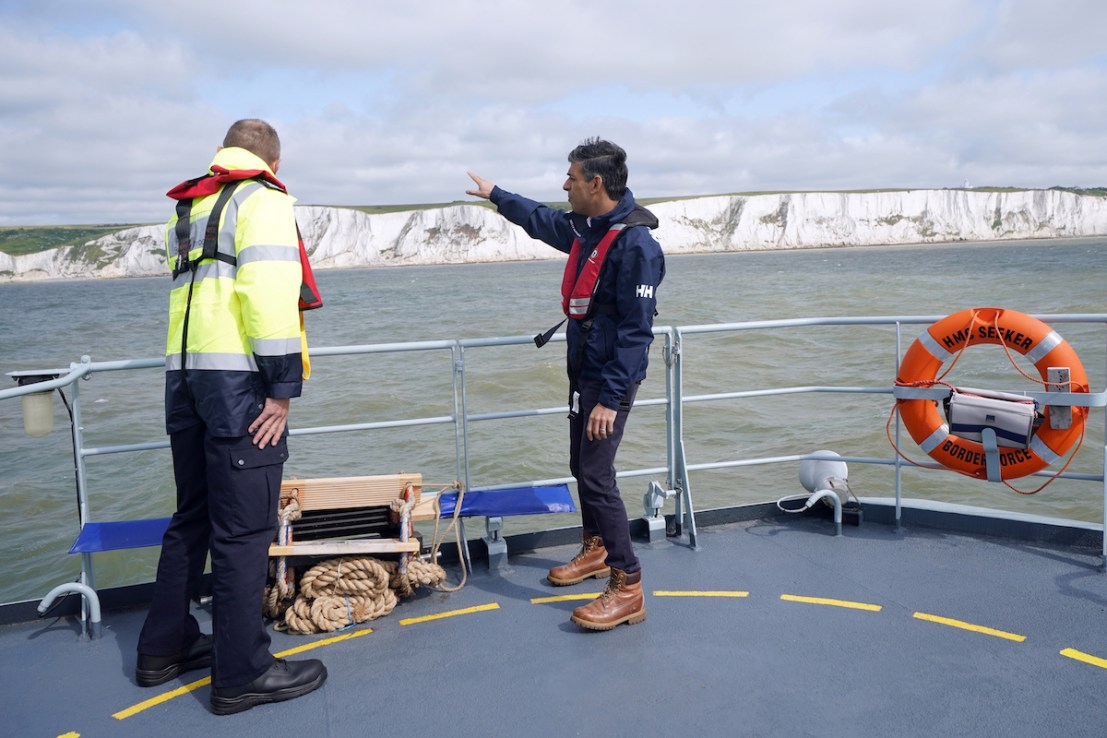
[[243, 324]]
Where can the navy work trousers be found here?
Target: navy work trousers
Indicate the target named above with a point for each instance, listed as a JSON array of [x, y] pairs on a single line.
[[227, 496], [592, 464]]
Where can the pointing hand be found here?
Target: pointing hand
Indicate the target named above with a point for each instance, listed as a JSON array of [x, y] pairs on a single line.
[[484, 187]]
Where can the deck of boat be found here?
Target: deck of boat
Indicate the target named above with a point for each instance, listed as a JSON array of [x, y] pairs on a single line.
[[771, 627]]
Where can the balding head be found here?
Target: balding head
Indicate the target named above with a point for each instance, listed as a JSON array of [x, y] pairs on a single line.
[[257, 137]]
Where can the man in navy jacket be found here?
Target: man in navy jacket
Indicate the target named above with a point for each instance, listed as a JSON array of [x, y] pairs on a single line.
[[609, 294]]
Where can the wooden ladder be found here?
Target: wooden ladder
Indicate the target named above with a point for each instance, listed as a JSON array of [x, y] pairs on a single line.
[[340, 493]]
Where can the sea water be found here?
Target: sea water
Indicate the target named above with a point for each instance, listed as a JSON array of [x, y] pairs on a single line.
[[51, 324]]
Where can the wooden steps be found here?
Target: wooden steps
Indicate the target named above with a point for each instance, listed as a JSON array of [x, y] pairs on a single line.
[[350, 493]]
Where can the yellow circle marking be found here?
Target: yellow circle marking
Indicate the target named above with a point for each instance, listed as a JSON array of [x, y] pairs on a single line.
[[970, 626], [833, 603], [451, 613], [1072, 653], [678, 593], [564, 598]]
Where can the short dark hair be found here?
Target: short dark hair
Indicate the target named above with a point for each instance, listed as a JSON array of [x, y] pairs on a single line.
[[599, 158], [257, 137]]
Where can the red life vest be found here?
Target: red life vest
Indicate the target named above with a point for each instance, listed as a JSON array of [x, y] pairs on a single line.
[[211, 183], [577, 290]]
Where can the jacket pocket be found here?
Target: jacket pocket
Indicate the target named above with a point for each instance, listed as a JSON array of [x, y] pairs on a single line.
[[602, 342]]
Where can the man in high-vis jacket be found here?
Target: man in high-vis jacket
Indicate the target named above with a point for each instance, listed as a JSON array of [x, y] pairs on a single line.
[[609, 297], [233, 362]]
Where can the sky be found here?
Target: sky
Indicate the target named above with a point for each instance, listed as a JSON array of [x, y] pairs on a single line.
[[105, 105]]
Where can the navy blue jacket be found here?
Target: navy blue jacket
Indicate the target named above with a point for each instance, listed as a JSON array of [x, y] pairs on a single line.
[[617, 349]]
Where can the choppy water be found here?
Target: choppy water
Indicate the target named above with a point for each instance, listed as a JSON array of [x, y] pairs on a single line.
[[52, 324]]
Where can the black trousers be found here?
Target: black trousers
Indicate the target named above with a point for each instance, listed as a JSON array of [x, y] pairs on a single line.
[[592, 464], [227, 495]]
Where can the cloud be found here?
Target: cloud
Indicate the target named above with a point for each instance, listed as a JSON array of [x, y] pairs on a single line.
[[107, 106]]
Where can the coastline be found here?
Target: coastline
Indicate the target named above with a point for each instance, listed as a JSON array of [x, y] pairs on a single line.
[[471, 233]]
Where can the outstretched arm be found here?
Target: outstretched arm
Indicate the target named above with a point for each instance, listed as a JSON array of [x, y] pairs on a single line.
[[539, 221]]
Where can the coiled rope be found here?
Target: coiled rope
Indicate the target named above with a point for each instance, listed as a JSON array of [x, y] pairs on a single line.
[[280, 596], [344, 591], [340, 592]]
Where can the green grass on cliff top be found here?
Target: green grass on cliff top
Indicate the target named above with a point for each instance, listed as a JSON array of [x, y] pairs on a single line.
[[18, 240]]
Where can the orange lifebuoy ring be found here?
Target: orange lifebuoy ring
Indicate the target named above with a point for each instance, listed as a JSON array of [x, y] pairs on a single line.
[[943, 341]]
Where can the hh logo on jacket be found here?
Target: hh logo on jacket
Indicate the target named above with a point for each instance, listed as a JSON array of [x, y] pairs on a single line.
[[644, 290]]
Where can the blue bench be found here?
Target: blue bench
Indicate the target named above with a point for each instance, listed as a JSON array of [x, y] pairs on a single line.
[[119, 534], [123, 534], [493, 504], [497, 503]]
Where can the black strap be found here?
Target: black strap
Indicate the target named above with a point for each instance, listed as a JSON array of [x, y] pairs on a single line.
[[543, 338], [210, 250], [184, 235], [184, 332], [576, 359], [211, 233]]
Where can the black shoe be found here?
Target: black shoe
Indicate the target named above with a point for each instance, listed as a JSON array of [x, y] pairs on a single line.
[[284, 680], [151, 671]]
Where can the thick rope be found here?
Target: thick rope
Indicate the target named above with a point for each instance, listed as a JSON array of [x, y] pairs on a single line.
[[417, 573], [341, 592], [279, 596], [338, 593], [436, 540]]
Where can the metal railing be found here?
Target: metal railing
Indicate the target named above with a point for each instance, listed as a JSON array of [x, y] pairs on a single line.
[[1090, 400], [676, 471]]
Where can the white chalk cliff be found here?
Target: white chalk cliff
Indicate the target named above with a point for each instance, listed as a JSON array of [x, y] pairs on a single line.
[[338, 237]]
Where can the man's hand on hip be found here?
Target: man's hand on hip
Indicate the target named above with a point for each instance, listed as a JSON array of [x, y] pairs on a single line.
[[269, 426]]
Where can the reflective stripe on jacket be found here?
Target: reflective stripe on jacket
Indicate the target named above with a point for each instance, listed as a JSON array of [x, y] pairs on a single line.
[[243, 323], [579, 285]]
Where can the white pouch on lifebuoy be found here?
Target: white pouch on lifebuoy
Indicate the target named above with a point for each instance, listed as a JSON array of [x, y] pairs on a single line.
[[970, 411]]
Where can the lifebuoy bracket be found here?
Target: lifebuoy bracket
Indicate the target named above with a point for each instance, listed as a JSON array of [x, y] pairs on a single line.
[[1060, 416], [991, 454], [938, 394]]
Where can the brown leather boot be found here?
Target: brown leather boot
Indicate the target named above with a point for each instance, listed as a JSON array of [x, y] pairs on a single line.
[[621, 602], [588, 563]]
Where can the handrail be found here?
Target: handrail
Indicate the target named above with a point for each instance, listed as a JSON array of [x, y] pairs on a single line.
[[677, 468]]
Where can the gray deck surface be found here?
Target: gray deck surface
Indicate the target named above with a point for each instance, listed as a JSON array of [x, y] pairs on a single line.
[[758, 665]]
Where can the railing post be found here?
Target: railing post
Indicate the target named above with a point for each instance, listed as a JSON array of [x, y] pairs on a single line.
[[462, 412], [88, 572], [898, 460], [685, 514]]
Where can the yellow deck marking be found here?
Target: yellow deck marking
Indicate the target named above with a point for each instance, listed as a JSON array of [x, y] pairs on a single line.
[[970, 626], [564, 598], [164, 697], [174, 693], [1072, 653], [324, 642], [832, 603], [679, 593], [451, 613]]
